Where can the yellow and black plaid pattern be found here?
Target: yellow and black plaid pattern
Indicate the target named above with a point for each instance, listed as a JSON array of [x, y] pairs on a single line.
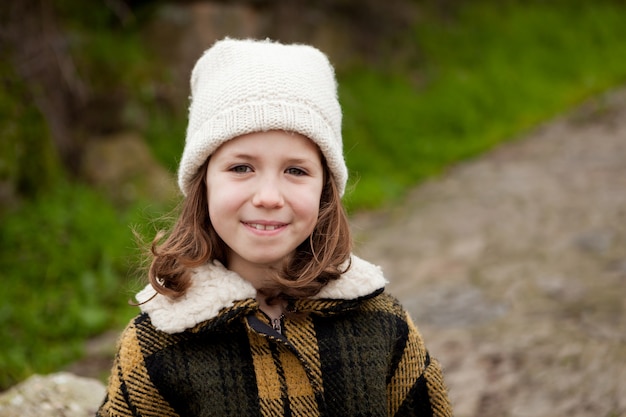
[[130, 379], [283, 383]]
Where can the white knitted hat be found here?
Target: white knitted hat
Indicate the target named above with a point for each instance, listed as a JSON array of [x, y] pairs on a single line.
[[245, 86]]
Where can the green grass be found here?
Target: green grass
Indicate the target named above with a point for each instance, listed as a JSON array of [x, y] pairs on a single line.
[[68, 259], [485, 77]]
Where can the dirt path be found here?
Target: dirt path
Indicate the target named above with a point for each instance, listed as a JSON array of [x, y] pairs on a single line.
[[514, 267]]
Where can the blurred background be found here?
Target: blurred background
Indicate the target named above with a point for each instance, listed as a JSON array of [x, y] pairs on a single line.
[[93, 106]]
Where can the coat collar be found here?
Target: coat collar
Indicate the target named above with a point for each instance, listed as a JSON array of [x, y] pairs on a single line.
[[213, 288]]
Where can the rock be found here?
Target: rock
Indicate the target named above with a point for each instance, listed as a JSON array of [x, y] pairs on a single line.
[[59, 394], [123, 167]]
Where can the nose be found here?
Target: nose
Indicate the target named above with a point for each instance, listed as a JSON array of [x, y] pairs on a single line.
[[268, 194]]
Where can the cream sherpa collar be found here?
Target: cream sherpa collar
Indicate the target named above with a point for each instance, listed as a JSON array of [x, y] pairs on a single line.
[[214, 287]]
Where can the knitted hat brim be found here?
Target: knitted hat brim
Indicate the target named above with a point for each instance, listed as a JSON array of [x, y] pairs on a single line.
[[265, 116]]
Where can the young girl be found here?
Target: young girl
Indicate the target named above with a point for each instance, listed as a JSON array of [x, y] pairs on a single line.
[[256, 306]]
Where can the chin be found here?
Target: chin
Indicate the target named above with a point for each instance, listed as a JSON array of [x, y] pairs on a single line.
[[269, 262]]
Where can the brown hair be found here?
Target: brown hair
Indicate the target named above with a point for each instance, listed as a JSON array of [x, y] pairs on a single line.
[[193, 241]]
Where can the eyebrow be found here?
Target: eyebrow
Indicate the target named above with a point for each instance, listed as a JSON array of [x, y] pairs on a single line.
[[241, 156], [247, 157]]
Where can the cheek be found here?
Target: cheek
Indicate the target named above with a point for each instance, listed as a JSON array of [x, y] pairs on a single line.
[[307, 205], [222, 200]]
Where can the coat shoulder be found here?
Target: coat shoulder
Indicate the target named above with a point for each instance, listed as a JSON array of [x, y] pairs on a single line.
[[385, 303]]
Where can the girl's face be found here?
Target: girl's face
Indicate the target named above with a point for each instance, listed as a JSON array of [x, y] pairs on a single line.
[[264, 192]]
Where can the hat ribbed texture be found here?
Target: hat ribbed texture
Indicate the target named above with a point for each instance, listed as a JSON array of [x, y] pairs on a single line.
[[245, 86]]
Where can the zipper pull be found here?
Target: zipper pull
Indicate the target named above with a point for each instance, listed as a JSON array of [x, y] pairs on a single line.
[[277, 324]]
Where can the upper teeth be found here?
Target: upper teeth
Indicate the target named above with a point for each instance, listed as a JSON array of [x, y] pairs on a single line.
[[263, 226]]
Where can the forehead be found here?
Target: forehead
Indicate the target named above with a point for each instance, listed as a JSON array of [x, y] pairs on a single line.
[[274, 142]]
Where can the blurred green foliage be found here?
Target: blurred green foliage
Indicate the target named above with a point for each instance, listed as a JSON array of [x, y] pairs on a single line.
[[28, 162], [487, 75], [69, 263], [61, 258], [488, 72]]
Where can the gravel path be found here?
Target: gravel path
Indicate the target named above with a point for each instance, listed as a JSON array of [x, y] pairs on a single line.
[[514, 267]]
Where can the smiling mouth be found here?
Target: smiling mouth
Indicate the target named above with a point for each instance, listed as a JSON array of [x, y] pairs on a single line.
[[258, 226]]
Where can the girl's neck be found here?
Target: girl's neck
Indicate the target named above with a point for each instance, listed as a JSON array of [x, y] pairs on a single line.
[[260, 278], [275, 309], [257, 275]]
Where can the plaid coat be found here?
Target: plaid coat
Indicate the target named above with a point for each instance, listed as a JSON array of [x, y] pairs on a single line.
[[350, 351]]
